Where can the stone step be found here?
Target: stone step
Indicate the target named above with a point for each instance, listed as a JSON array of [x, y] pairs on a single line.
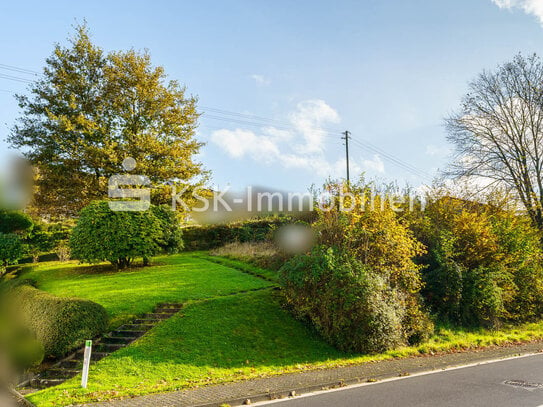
[[123, 333], [71, 364], [167, 310], [108, 347], [148, 321], [125, 340], [169, 307], [95, 355], [45, 383], [58, 373], [156, 316], [137, 327], [176, 308]]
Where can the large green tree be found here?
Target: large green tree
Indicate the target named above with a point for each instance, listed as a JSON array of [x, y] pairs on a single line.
[[90, 110]]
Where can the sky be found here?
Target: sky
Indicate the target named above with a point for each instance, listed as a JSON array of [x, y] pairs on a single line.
[[278, 81]]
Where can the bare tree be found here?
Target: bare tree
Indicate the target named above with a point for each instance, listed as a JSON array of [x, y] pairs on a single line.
[[498, 131]]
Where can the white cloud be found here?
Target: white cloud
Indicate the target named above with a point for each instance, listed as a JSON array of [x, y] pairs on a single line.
[[309, 118], [240, 143], [437, 151], [319, 165], [534, 7], [301, 148], [375, 164], [260, 80]]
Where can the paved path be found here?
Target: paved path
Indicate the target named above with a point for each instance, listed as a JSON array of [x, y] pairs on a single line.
[[281, 386], [514, 382]]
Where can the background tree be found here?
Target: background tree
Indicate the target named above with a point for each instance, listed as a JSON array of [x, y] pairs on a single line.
[[15, 222], [89, 111], [14, 227], [39, 241], [11, 250], [118, 237], [498, 132]]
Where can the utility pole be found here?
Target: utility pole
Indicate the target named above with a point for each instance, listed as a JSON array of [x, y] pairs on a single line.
[[346, 134]]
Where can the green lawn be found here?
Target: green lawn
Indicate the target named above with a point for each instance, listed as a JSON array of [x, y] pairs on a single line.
[[223, 339], [129, 293], [218, 337]]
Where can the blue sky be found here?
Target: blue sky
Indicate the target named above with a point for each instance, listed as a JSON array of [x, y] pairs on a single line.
[[388, 71]]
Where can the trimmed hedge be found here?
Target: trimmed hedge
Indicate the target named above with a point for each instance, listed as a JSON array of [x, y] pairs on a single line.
[[212, 236], [60, 324]]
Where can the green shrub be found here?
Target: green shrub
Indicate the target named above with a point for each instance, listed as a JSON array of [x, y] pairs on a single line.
[[172, 239], [15, 222], [208, 237], [118, 237], [347, 302], [371, 232], [11, 250], [483, 298], [484, 264], [38, 241], [59, 324]]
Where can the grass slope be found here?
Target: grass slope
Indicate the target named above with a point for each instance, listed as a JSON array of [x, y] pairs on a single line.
[[216, 338], [125, 294], [213, 341]]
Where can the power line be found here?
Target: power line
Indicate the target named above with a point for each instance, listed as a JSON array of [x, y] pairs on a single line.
[[394, 160], [15, 78], [245, 116], [362, 144], [328, 141], [403, 166], [17, 69], [258, 124], [258, 121]]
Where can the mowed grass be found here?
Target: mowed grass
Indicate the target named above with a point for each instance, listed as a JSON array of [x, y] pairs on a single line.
[[220, 336], [133, 292], [213, 341], [234, 338]]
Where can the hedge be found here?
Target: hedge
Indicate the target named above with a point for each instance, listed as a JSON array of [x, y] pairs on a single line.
[[212, 236], [60, 324]]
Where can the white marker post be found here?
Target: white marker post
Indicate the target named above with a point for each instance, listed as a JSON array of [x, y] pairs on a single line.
[[86, 364]]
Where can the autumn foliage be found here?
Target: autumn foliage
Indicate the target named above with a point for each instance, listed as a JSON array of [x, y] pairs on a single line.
[[360, 287]]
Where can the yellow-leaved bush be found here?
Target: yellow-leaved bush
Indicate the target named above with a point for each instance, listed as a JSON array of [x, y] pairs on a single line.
[[359, 287], [484, 263]]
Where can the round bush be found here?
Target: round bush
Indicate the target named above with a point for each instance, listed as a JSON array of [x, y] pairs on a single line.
[[60, 324], [118, 237]]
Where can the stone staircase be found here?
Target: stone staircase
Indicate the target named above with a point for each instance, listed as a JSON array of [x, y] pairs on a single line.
[[123, 336]]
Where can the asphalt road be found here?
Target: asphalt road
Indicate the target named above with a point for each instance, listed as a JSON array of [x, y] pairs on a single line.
[[510, 383]]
